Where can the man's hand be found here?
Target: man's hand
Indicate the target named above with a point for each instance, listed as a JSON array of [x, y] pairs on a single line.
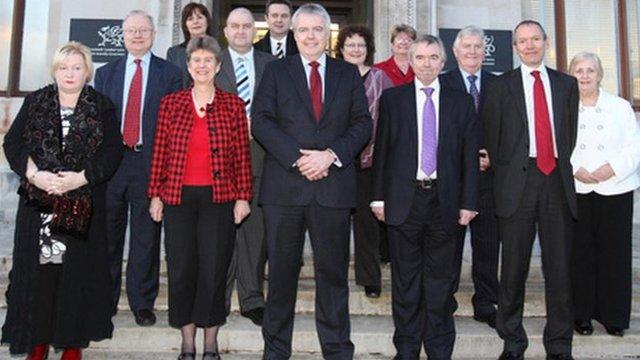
[[378, 212], [485, 163], [466, 216], [584, 176], [68, 181], [603, 173], [249, 127], [241, 210], [314, 164], [155, 209]]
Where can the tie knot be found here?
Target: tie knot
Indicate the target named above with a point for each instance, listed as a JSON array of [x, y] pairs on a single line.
[[535, 74], [472, 78], [314, 65], [428, 91], [137, 61]]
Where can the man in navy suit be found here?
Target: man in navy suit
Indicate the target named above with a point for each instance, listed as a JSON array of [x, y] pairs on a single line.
[[469, 77], [136, 83], [425, 187], [311, 115]]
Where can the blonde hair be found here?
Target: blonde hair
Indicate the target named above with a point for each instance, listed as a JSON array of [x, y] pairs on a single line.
[[71, 48], [581, 56]]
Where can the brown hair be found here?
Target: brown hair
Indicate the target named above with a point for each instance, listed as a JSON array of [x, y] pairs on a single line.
[[403, 28], [189, 10], [350, 30], [283, 2]]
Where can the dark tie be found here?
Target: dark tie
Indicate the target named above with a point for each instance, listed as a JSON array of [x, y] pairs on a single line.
[[545, 159], [131, 128], [473, 91], [429, 151], [315, 88], [279, 50]]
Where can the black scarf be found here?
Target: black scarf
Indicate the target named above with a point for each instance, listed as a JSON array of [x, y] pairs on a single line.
[[43, 134]]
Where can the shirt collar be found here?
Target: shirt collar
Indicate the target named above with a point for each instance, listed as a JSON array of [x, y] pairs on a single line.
[[526, 70], [146, 58], [283, 40], [465, 75], [419, 85], [322, 60], [235, 55]]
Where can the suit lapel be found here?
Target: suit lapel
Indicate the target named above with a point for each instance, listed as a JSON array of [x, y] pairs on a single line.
[[331, 78], [459, 81], [297, 73], [444, 112], [258, 69], [153, 80], [118, 90], [515, 83], [557, 109], [227, 71], [408, 98]]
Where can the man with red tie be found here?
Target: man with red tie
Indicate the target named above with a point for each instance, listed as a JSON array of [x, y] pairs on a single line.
[[530, 117], [311, 115], [135, 83]]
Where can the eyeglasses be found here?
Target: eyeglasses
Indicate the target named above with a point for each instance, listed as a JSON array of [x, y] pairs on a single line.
[[143, 32], [355, 46]]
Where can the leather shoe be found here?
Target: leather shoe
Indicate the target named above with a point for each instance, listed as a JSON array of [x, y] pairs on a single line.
[[583, 327], [187, 356], [255, 315], [489, 319], [614, 331], [372, 292], [144, 317], [511, 356], [559, 357], [211, 355]]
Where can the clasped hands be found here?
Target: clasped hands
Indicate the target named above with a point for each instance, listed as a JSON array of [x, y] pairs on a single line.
[[57, 183], [314, 164], [603, 173]]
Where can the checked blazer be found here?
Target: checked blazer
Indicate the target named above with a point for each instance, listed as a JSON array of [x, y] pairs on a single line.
[[229, 142]]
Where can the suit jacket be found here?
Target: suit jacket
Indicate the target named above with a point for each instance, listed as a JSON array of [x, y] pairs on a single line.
[[454, 80], [283, 122], [506, 130], [264, 44], [164, 78], [228, 142], [395, 160], [177, 55], [226, 80]]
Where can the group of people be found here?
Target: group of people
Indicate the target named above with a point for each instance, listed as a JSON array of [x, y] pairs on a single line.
[[239, 152]]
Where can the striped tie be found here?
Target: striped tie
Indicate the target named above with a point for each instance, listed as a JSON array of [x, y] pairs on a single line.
[[279, 50], [242, 84]]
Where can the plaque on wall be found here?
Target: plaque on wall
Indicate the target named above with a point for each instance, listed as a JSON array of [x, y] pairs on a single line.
[[498, 50], [103, 36]]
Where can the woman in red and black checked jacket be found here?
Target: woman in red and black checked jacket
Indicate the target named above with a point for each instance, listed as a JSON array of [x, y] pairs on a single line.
[[201, 183]]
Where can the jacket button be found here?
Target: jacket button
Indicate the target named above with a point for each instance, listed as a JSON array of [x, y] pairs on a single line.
[[215, 151], [524, 168], [216, 174], [212, 129]]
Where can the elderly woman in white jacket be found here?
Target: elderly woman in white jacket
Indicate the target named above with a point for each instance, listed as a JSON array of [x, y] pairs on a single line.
[[605, 164]]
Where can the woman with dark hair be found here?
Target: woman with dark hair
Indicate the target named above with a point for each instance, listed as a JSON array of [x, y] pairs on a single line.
[[195, 22], [64, 145], [355, 45]]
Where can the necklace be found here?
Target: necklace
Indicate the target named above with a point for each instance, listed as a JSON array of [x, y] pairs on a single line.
[[195, 100]]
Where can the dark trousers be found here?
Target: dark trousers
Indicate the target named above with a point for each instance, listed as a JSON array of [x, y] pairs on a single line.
[[127, 203], [601, 259], [422, 273], [249, 257], [366, 234], [46, 296], [199, 237], [329, 232], [543, 206], [485, 246]]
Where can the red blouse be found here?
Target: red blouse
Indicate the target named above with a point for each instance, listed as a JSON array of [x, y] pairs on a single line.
[[197, 171], [394, 73]]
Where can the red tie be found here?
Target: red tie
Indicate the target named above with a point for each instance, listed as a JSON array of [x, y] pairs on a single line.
[[316, 89], [545, 158], [131, 129]]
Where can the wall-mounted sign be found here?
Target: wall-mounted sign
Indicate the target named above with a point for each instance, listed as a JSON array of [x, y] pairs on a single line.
[[498, 51], [103, 36]]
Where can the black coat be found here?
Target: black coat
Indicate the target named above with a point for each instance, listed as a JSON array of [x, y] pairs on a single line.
[[264, 44], [83, 311]]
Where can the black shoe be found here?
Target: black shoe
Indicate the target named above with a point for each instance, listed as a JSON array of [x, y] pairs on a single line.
[[255, 315], [211, 355], [583, 327], [489, 319], [372, 292], [614, 331], [144, 317], [559, 357], [187, 356], [511, 356]]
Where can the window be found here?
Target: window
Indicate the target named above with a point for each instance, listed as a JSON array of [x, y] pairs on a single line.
[[633, 26], [543, 12], [6, 15]]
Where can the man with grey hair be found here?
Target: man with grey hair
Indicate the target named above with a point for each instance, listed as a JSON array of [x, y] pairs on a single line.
[[425, 186], [311, 115], [469, 77], [240, 73], [135, 83]]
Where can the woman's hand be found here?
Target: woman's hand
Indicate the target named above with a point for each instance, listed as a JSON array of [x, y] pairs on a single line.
[[155, 209], [68, 181], [240, 211], [584, 176], [603, 173], [43, 180]]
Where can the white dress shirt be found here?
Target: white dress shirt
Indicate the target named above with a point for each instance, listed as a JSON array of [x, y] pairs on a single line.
[[248, 63], [129, 71], [467, 83], [527, 83], [322, 69], [421, 97], [608, 133], [274, 45]]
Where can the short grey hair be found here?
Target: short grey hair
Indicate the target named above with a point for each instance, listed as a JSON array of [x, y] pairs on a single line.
[[207, 43], [311, 9], [429, 40], [140, 13], [244, 10], [470, 30], [585, 55]]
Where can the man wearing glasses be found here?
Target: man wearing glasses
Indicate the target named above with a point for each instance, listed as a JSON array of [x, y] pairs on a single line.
[[135, 83]]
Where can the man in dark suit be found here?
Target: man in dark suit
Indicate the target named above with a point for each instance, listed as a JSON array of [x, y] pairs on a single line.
[[279, 40], [530, 117], [468, 48], [425, 186], [240, 73], [136, 83], [311, 115]]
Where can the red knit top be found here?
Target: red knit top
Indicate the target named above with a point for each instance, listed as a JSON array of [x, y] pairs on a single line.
[[197, 171]]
